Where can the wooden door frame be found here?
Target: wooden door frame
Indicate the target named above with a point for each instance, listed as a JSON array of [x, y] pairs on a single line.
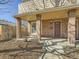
[[77, 28], [60, 27], [31, 26]]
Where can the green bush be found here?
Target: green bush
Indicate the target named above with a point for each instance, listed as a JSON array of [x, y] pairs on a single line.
[[25, 0]]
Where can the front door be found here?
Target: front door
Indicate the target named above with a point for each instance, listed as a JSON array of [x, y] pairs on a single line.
[[57, 29]]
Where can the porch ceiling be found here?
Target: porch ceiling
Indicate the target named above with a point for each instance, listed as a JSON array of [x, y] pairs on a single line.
[[24, 16], [50, 13]]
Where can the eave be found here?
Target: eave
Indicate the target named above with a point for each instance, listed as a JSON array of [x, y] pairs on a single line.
[[26, 14]]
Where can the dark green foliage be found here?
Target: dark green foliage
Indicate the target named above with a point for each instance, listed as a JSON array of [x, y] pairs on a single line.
[[25, 0]]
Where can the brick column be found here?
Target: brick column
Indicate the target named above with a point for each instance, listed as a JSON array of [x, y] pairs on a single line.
[[18, 28], [29, 28], [38, 26], [71, 27]]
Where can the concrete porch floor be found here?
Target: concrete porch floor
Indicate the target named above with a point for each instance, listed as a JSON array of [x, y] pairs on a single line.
[[52, 39], [60, 41]]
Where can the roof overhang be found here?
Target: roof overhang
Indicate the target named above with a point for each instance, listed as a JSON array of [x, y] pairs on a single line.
[[25, 14]]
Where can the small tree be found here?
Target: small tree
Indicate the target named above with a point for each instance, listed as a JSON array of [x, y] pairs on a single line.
[[25, 0]]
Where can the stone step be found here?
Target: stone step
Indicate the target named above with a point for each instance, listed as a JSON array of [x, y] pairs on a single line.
[[31, 37]]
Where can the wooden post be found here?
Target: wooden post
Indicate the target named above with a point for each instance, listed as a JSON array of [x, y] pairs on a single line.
[[71, 27], [29, 28], [38, 26], [18, 28]]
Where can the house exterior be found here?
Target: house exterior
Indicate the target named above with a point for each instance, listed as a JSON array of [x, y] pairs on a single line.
[[55, 19], [7, 30]]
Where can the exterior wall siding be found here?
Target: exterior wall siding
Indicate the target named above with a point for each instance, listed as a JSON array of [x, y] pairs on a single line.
[[48, 28], [24, 32]]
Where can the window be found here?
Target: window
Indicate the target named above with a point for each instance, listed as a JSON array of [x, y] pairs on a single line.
[[33, 27]]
